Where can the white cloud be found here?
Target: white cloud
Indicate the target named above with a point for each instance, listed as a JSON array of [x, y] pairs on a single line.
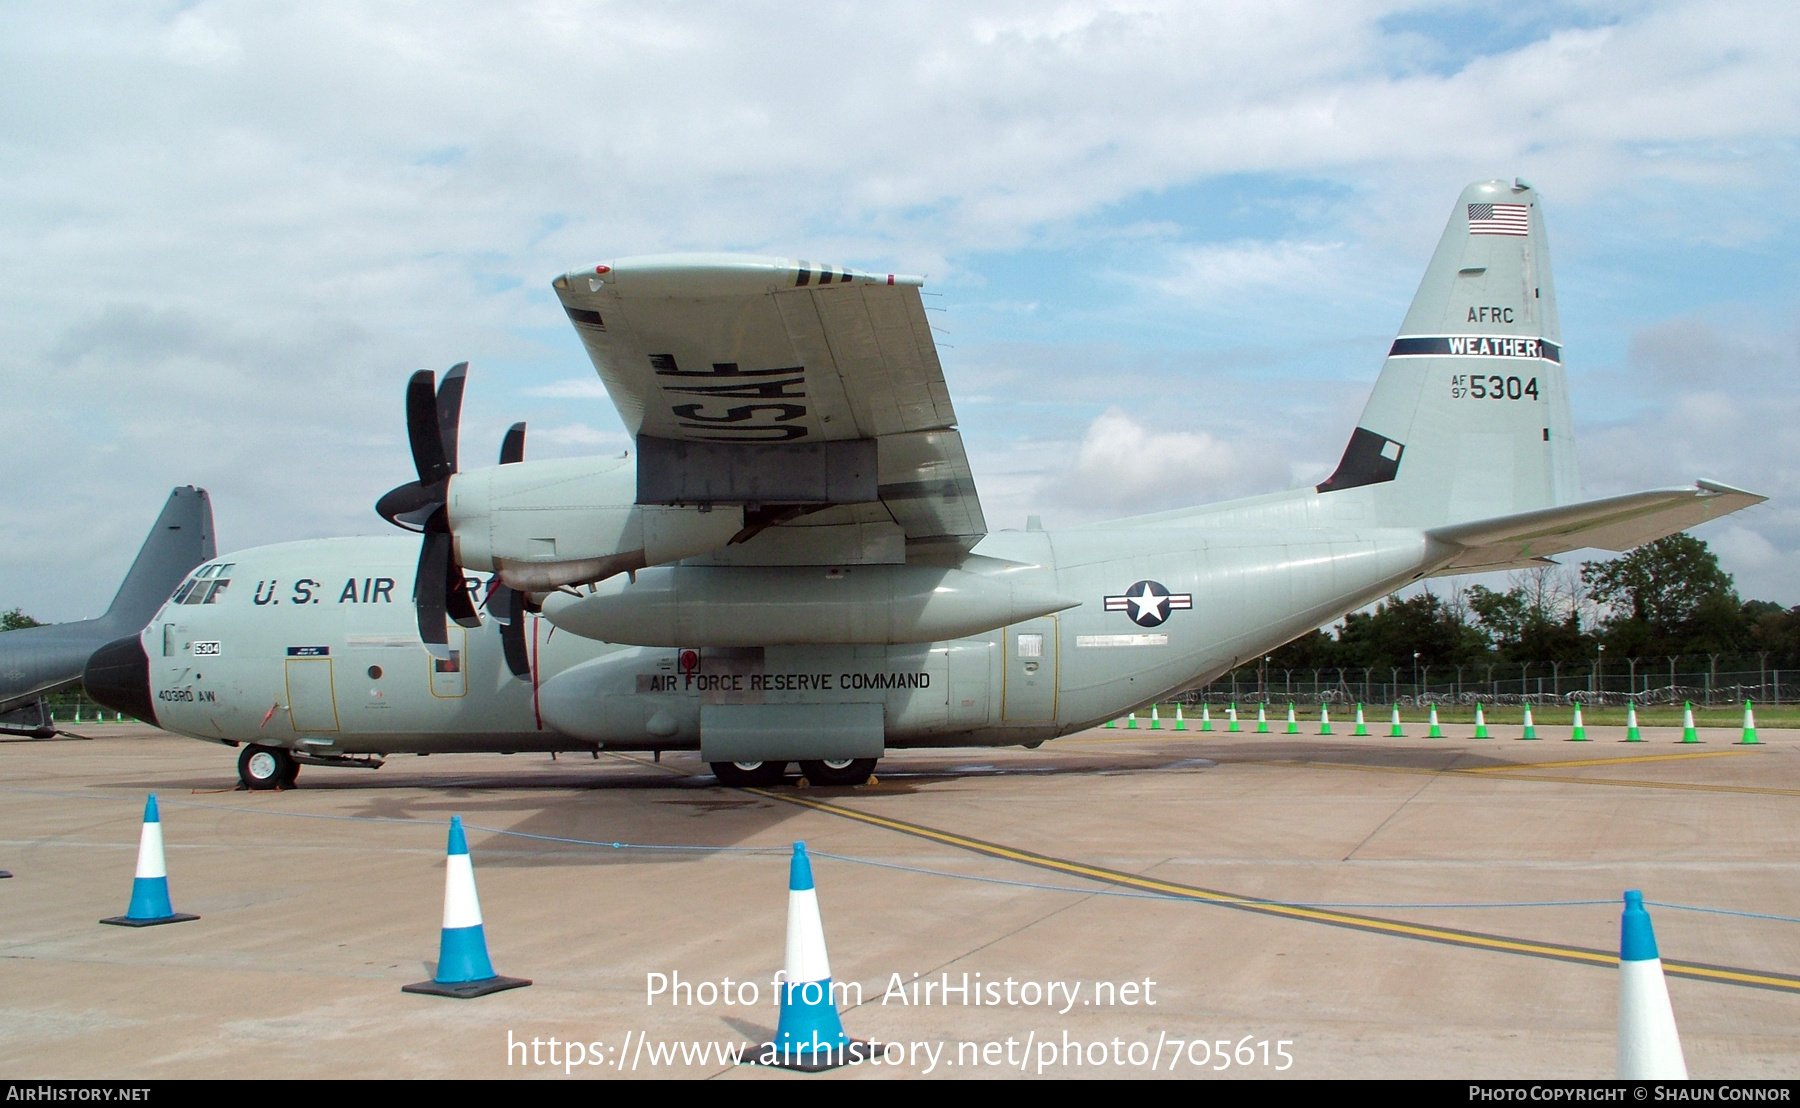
[[1126, 467], [230, 231], [1745, 549], [572, 388], [581, 435], [1222, 273], [194, 41]]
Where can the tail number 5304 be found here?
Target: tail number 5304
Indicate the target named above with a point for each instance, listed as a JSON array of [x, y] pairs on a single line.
[[1492, 386]]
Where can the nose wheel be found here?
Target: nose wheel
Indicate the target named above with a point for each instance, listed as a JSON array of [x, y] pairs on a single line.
[[267, 767], [749, 775]]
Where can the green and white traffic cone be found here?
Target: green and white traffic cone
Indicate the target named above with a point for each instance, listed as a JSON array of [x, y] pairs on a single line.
[[1234, 726], [1481, 731], [1324, 719], [1131, 722], [1206, 716], [1579, 733], [1530, 728], [1112, 723], [1632, 734], [1155, 719], [1262, 718], [1436, 732], [1688, 732], [1362, 727], [1293, 727], [1394, 731], [1749, 738], [1180, 720]]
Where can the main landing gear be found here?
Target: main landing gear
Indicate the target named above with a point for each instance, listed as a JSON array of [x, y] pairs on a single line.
[[267, 767], [845, 771], [751, 775]]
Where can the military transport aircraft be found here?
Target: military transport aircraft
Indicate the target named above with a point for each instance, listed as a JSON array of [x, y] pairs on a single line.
[[795, 565], [37, 661]]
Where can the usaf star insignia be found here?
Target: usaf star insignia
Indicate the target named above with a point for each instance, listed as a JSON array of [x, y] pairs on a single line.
[[1149, 603]]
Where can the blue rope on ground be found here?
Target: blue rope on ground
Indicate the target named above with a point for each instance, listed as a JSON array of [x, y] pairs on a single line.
[[1720, 911], [783, 852]]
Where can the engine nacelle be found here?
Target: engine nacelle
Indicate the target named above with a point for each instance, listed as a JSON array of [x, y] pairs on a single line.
[[800, 605], [541, 525]]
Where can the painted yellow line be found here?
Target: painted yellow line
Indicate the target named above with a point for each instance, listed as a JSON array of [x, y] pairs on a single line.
[[1681, 786], [1375, 924], [1607, 761]]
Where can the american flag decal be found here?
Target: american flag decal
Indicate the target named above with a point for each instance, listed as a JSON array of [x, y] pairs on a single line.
[[1500, 219]]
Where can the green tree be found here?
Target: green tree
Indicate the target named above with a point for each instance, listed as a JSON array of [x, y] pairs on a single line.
[[1774, 630], [15, 619], [1313, 650], [1537, 619], [1423, 623], [1667, 597]]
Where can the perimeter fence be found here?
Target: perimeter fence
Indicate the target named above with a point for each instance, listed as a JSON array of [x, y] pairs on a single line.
[[1706, 679]]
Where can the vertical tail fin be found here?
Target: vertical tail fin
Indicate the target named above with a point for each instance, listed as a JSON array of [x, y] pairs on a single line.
[[1470, 416], [181, 539]]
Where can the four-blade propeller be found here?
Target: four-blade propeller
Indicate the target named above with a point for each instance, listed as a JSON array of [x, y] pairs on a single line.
[[440, 589]]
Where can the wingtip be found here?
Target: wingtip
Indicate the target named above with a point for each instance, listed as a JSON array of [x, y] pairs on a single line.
[[1719, 488]]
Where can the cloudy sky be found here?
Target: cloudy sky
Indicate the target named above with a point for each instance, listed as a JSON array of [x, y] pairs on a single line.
[[1172, 240]]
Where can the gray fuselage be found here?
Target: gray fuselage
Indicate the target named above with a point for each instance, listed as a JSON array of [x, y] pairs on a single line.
[[314, 645]]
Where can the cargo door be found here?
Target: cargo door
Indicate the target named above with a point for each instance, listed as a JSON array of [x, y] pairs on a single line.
[[311, 694], [971, 684], [1029, 693]]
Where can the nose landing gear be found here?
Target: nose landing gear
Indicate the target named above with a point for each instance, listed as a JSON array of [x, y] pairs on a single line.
[[267, 767]]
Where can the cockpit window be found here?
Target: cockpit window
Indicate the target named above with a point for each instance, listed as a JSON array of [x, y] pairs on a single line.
[[205, 586]]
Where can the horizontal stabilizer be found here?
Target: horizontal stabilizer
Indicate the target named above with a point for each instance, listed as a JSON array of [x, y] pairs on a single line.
[[1614, 523]]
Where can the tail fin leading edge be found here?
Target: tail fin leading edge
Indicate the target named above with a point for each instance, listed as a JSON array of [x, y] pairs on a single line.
[[1470, 419], [181, 539]]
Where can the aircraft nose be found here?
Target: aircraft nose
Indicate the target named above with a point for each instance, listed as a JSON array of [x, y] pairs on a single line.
[[118, 677]]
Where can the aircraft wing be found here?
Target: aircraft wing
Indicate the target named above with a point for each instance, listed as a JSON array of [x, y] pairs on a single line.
[[1614, 523], [788, 387]]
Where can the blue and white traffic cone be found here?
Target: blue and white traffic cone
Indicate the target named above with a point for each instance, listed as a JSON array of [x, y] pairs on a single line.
[[1649, 1045], [150, 889], [810, 1036], [463, 969]]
